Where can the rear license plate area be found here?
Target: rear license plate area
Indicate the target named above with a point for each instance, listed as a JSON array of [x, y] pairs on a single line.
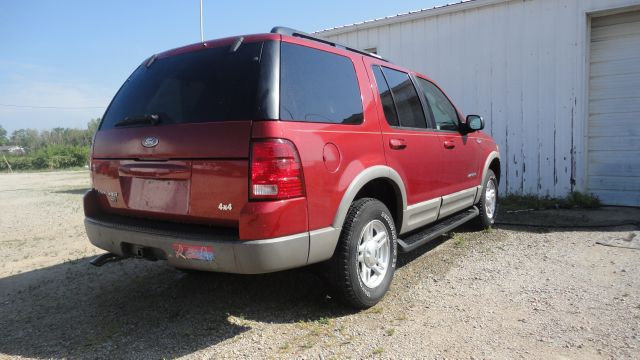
[[166, 196]]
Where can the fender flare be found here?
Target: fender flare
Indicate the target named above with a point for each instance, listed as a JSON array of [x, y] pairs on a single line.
[[368, 174], [492, 156]]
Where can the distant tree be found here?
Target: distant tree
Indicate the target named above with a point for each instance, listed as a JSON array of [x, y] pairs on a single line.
[[27, 138], [3, 136], [92, 127]]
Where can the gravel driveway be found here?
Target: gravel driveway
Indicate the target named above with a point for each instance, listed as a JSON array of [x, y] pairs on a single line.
[[515, 292]]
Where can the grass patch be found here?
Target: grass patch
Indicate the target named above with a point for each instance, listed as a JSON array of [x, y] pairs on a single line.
[[313, 332], [390, 331], [582, 200], [459, 241], [573, 200], [378, 351]]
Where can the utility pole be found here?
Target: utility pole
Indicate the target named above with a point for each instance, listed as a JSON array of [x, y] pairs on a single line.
[[201, 25]]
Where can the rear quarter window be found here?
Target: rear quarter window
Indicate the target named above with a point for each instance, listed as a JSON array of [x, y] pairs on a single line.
[[318, 86]]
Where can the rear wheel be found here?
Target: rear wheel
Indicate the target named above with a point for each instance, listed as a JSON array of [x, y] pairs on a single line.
[[488, 204], [365, 259]]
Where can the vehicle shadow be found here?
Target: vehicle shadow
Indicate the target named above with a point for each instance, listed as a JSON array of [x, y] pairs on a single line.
[[78, 191], [139, 309]]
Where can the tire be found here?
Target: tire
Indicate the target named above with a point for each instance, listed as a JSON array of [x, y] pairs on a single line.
[[362, 267], [488, 204]]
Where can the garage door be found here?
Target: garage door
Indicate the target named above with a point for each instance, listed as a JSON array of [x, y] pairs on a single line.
[[614, 109]]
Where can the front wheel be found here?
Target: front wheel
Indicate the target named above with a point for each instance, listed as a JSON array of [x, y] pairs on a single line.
[[488, 204], [365, 259]]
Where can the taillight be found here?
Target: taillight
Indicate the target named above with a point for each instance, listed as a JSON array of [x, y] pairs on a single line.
[[276, 171]]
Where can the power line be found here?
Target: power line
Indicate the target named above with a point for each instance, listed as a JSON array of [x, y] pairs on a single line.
[[52, 107]]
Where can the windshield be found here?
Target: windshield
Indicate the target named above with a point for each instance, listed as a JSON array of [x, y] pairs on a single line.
[[200, 86]]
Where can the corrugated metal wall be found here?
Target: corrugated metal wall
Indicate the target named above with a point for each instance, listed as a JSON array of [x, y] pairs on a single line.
[[520, 64]]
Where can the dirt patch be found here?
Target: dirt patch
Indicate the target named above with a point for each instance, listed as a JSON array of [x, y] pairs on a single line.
[[507, 293]]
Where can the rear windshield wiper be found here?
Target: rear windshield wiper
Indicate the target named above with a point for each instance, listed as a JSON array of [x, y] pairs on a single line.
[[152, 119]]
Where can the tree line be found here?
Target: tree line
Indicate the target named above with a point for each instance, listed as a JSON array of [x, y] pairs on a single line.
[[47, 149]]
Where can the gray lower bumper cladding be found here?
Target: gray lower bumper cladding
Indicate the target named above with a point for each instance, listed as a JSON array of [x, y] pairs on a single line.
[[201, 252]]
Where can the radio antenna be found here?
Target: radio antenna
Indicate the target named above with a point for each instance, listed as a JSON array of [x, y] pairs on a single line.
[[201, 25]]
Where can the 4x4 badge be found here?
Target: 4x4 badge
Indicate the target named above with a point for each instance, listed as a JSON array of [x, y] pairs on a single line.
[[225, 207], [150, 141]]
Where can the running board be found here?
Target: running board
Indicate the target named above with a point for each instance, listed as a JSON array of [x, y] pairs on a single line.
[[429, 233]]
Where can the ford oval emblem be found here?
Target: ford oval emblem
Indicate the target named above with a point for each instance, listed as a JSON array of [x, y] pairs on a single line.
[[150, 141]]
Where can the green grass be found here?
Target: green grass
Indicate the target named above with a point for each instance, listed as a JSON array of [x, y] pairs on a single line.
[[573, 200], [582, 200], [458, 240]]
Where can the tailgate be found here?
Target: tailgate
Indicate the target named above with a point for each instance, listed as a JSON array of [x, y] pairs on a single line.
[[195, 172]]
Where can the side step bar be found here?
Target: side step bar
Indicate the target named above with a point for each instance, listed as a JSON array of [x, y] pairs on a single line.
[[424, 236]]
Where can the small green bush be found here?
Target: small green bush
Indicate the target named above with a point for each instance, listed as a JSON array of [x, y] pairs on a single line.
[[49, 157]]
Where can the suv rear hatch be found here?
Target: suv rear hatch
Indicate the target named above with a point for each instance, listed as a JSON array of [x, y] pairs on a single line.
[[174, 143]]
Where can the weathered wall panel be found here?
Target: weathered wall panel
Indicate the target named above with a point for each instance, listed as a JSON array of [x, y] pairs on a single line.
[[520, 64], [614, 109]]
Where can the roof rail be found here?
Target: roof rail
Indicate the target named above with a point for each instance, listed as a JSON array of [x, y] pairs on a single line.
[[282, 30]]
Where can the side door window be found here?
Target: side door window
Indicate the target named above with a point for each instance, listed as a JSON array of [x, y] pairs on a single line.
[[444, 114], [386, 98], [399, 97]]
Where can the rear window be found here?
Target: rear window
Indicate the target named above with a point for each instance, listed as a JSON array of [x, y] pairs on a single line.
[[318, 86], [200, 86]]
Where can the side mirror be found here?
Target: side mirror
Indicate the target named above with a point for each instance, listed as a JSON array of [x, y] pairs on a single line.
[[475, 123]]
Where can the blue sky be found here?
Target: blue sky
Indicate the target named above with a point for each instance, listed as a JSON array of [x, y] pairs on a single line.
[[74, 55]]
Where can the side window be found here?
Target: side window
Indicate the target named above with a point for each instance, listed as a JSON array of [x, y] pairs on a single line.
[[318, 86], [385, 97], [406, 99], [444, 113]]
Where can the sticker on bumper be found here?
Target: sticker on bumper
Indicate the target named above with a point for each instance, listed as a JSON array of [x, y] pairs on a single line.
[[193, 252]]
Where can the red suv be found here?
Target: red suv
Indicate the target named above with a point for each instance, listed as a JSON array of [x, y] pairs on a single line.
[[261, 153]]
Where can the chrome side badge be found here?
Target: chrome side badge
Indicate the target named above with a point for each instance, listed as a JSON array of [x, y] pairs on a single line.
[[150, 141]]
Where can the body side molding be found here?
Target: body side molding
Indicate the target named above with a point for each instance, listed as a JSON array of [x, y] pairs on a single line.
[[420, 214]]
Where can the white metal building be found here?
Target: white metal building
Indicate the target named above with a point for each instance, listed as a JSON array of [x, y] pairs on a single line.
[[558, 82]]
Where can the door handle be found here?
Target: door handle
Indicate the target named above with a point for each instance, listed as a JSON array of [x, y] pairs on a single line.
[[449, 144], [397, 144]]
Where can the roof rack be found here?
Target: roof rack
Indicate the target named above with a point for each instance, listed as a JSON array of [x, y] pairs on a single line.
[[282, 30]]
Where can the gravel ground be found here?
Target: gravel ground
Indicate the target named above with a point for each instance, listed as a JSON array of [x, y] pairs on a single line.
[[506, 293]]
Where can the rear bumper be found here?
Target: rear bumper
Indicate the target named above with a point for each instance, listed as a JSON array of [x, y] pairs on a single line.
[[230, 254]]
